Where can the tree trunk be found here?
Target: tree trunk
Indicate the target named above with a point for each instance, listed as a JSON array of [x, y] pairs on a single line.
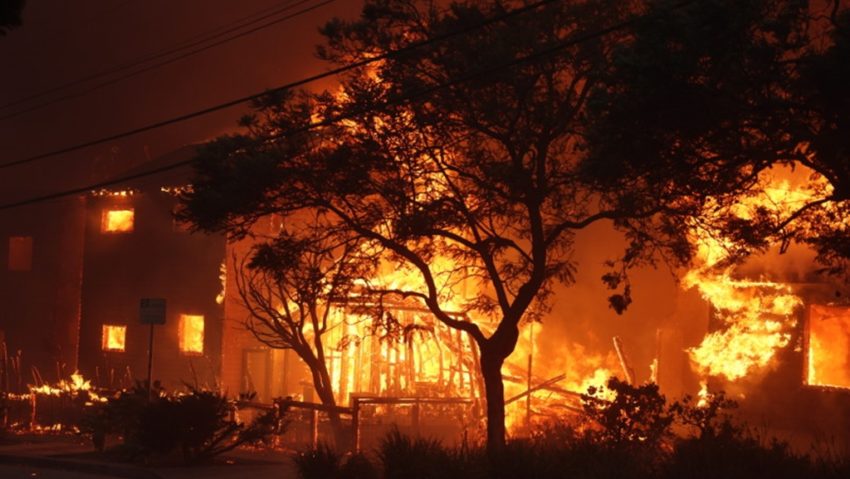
[[324, 389], [491, 370], [494, 351]]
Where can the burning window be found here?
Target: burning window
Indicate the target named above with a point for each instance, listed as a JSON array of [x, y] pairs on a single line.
[[20, 253], [114, 338], [190, 332], [117, 221], [828, 353]]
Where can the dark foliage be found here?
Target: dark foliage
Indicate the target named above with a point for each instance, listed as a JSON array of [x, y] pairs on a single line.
[[560, 451], [637, 416], [325, 463], [197, 425], [738, 88], [10, 14]]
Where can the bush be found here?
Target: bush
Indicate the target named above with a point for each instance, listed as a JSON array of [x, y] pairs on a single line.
[[637, 416], [325, 463], [198, 426]]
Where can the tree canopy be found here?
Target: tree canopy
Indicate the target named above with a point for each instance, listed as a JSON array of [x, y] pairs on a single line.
[[743, 88], [477, 157], [10, 14]]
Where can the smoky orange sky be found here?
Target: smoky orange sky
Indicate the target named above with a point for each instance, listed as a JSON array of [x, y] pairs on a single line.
[[62, 41]]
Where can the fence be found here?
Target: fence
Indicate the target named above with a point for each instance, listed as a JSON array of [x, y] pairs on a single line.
[[358, 402]]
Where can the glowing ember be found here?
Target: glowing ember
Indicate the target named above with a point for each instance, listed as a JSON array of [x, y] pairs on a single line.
[[828, 355], [117, 221], [191, 333], [114, 337]]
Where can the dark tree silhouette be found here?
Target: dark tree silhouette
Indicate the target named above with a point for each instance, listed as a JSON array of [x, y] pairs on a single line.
[[472, 149], [10, 14], [741, 87], [290, 287]]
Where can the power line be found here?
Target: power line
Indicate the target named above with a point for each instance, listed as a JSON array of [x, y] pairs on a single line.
[[282, 88], [168, 61], [398, 100], [188, 43]]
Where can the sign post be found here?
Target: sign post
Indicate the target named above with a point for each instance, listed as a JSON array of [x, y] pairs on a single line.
[[152, 312]]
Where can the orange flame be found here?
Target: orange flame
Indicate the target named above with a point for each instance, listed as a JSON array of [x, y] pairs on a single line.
[[756, 317], [828, 346], [117, 221]]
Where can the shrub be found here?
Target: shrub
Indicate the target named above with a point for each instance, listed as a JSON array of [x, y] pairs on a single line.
[[320, 463], [637, 416], [198, 425]]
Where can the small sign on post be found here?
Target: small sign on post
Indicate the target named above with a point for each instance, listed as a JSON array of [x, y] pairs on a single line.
[[151, 311]]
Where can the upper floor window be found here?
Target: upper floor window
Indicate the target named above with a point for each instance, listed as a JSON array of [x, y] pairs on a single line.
[[190, 333], [117, 220], [20, 253]]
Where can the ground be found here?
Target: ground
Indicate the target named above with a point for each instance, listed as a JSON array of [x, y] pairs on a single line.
[[66, 456]]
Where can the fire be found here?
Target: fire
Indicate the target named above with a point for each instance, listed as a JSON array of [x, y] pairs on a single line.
[[190, 332], [703, 395], [755, 318], [117, 221], [75, 385], [828, 354], [114, 337], [756, 321], [557, 380]]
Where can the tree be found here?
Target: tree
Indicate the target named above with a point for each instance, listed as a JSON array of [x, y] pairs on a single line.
[[740, 88], [471, 148], [10, 14], [290, 287]]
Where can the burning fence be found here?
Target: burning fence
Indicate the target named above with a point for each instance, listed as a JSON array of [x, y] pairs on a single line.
[[51, 407]]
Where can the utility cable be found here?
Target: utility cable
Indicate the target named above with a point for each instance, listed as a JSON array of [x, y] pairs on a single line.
[[188, 43], [329, 121], [168, 61], [279, 89]]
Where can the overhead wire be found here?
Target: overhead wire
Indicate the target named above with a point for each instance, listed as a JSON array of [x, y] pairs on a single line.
[[166, 61], [288, 86], [187, 43], [329, 121]]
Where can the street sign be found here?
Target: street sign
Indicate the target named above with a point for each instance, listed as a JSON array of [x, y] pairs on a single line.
[[152, 311]]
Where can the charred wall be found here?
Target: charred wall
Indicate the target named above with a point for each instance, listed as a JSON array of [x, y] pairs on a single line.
[[156, 259], [40, 271]]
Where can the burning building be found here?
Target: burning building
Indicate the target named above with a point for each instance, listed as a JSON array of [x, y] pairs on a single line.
[[771, 332], [134, 249], [40, 269]]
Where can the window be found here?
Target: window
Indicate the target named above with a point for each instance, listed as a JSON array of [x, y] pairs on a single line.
[[117, 221], [114, 338], [20, 253], [190, 332], [828, 349]]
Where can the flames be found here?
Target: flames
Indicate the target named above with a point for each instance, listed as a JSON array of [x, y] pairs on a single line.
[[754, 318], [755, 321], [828, 355], [114, 337], [190, 333], [117, 221]]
